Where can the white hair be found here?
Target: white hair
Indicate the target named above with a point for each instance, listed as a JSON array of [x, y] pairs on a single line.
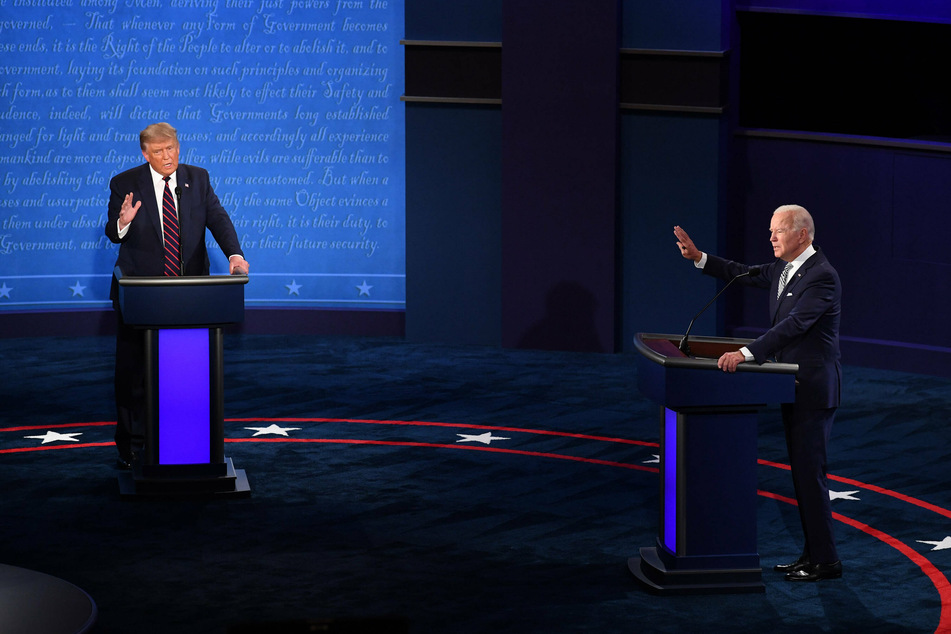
[[800, 219]]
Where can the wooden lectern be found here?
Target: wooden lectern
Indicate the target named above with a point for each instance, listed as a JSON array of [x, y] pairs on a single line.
[[708, 422], [184, 382]]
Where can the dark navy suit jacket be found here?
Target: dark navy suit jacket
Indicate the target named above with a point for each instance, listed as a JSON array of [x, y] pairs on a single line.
[[141, 251], [804, 323]]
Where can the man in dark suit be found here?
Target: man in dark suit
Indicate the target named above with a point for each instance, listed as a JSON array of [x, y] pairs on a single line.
[[805, 308], [153, 245]]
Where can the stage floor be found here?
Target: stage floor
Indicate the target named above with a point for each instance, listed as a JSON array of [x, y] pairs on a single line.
[[465, 489]]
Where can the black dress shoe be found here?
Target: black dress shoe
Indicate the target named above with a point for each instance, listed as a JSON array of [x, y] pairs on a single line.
[[799, 564], [815, 572]]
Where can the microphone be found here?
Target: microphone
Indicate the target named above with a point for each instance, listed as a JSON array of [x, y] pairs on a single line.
[[181, 262], [684, 346]]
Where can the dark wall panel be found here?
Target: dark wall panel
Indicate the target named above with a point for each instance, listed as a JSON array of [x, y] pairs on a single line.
[[455, 21], [453, 217], [453, 171], [880, 78], [559, 140], [671, 174], [919, 10], [453, 72], [696, 25], [878, 212]]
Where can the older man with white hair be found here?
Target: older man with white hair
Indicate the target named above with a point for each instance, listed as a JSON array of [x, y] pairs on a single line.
[[805, 309]]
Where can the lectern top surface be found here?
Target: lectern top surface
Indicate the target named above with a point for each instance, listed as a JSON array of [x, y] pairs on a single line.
[[183, 280], [664, 350]]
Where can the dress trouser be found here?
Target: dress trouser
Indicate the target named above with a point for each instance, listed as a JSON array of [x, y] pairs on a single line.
[[807, 436], [129, 388]]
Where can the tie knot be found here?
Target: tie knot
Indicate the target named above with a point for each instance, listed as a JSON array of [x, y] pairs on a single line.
[[166, 178]]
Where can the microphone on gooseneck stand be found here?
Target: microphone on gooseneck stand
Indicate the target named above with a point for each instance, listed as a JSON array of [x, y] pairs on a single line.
[[181, 244], [684, 346]]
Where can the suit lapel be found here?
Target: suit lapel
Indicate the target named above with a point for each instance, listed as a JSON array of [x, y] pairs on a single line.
[[149, 205], [184, 206], [774, 301], [792, 282]]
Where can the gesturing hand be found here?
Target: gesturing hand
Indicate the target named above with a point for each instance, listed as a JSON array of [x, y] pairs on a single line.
[[128, 211], [687, 248]]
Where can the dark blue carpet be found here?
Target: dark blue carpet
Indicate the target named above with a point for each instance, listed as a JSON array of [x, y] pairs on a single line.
[[362, 510]]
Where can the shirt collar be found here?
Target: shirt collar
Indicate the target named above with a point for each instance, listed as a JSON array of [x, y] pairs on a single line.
[[802, 257], [158, 178]]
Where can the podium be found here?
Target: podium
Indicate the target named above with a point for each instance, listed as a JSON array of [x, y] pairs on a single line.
[[706, 541], [182, 319]]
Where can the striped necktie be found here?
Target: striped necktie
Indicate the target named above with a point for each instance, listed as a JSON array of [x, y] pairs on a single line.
[[173, 262], [783, 279]]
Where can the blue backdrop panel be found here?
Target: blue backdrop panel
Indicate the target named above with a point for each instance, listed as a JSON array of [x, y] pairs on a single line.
[[293, 107]]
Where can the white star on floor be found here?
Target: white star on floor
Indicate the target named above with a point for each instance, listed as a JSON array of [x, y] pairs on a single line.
[[277, 430], [53, 436], [293, 288], [77, 289], [485, 439], [364, 289], [944, 544], [654, 460], [5, 290], [843, 495]]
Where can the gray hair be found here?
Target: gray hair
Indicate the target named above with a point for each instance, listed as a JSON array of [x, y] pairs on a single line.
[[800, 218]]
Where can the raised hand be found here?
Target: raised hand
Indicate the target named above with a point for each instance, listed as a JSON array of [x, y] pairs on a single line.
[[687, 248], [128, 211]]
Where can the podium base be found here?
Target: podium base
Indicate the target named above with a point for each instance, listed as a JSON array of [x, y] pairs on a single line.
[[199, 480], [651, 571]]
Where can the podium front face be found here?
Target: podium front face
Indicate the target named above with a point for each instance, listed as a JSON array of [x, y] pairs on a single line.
[[708, 488], [184, 381], [706, 540]]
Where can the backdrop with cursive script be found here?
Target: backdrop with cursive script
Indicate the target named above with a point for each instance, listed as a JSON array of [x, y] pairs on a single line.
[[293, 106]]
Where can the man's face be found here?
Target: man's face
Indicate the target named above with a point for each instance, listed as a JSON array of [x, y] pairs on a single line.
[[787, 244], [162, 155]]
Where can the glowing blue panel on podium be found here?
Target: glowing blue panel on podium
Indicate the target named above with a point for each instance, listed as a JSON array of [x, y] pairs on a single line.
[[184, 397], [669, 466]]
